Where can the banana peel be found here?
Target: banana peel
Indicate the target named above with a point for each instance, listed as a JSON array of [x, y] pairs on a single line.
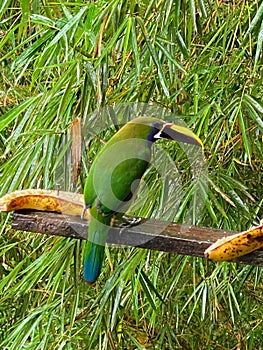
[[45, 200], [237, 245]]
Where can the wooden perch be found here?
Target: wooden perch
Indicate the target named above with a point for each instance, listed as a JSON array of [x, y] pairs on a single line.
[[150, 234]]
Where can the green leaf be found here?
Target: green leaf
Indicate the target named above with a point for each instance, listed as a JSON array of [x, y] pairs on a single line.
[[14, 113]]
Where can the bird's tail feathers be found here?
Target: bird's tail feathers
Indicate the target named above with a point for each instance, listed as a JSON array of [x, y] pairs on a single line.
[[95, 246]]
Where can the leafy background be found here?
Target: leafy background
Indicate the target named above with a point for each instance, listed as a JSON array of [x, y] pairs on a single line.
[[61, 60]]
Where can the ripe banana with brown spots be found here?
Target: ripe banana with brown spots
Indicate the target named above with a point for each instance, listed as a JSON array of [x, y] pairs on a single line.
[[45, 200], [237, 245]]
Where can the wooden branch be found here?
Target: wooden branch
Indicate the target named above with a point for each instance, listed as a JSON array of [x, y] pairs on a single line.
[[150, 234]]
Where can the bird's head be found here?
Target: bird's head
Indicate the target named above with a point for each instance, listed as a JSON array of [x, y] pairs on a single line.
[[157, 129], [178, 133]]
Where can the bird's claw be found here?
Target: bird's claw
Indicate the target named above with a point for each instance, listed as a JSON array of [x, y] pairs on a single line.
[[85, 207], [98, 206], [127, 221]]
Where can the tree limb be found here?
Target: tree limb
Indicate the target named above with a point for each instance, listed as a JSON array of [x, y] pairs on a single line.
[[150, 234]]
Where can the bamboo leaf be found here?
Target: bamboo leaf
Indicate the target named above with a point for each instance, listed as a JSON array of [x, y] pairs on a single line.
[[258, 16], [11, 115]]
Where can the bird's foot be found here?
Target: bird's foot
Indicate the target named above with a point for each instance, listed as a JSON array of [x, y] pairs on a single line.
[[85, 207], [98, 206], [127, 221], [100, 210]]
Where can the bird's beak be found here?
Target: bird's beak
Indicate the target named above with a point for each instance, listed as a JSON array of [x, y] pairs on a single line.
[[179, 133]]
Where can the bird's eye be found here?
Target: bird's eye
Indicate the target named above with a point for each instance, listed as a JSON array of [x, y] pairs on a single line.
[[155, 130], [156, 126]]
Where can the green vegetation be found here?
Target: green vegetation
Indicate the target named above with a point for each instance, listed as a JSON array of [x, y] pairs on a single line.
[[61, 60]]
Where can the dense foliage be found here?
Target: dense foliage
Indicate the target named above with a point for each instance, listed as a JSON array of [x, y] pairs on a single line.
[[201, 60]]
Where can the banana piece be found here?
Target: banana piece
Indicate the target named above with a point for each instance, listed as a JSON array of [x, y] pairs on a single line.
[[44, 200], [237, 245]]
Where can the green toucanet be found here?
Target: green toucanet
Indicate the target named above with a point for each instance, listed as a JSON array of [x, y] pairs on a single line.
[[114, 177]]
